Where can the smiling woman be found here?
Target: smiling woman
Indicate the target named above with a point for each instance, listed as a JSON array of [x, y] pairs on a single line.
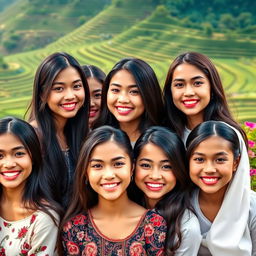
[[59, 114], [101, 219]]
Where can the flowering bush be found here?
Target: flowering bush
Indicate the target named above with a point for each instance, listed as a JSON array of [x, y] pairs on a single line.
[[250, 129]]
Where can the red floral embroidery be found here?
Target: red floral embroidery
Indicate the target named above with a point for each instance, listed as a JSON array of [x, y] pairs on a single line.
[[90, 249], [72, 248], [33, 218], [157, 220], [67, 226], [149, 230], [136, 249], [79, 220], [2, 251], [22, 232], [80, 235]]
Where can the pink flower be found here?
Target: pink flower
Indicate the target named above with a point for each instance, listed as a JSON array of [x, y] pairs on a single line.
[[80, 235], [79, 220], [149, 230], [67, 226], [22, 232], [90, 249], [250, 125], [251, 143], [252, 172], [33, 218], [136, 249], [156, 220], [73, 249], [251, 154]]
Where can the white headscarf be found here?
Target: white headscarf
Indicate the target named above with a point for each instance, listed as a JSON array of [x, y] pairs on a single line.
[[229, 234]]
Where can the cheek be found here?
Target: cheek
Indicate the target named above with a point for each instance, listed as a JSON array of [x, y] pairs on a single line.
[[139, 177]]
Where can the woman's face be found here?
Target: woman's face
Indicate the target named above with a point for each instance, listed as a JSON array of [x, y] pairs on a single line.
[[124, 100], [191, 91], [95, 88], [154, 173], [15, 162], [67, 94], [109, 171], [212, 165]]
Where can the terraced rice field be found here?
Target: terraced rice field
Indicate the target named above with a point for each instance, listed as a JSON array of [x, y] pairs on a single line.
[[116, 33]]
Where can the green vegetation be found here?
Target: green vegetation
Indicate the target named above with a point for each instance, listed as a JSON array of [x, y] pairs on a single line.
[[141, 29]]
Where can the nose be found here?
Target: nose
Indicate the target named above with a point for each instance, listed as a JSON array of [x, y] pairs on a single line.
[[123, 98], [209, 168], [109, 173], [155, 174], [69, 95], [189, 91], [92, 103], [9, 163]]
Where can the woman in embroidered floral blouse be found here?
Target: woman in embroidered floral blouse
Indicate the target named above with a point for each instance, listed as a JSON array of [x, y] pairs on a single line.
[[102, 220], [28, 217]]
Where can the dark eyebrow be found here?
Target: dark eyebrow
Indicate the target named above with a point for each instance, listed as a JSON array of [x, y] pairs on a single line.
[[119, 85], [62, 83], [193, 78], [113, 159], [14, 149], [217, 154], [97, 90], [197, 77], [146, 159]]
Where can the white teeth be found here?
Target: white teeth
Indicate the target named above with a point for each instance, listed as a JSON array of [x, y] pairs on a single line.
[[10, 174], [110, 185], [69, 105], [210, 179], [191, 102], [123, 109], [153, 185]]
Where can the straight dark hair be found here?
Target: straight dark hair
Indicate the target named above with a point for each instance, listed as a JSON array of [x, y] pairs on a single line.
[[174, 204], [92, 71], [75, 129], [149, 89], [84, 197], [212, 128], [36, 194], [217, 109]]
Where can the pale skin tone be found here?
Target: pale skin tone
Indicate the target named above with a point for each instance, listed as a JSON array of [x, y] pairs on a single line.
[[65, 99], [191, 92], [116, 216], [125, 103], [212, 166], [14, 160]]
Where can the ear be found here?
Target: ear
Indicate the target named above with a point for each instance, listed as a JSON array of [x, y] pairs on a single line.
[[236, 163]]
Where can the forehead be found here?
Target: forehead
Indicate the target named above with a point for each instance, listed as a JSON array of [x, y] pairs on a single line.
[[152, 152], [213, 145], [94, 84], [187, 70], [108, 150], [68, 73], [123, 77], [9, 141]]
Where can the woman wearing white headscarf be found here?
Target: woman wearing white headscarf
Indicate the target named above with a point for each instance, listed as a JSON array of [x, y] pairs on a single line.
[[224, 203]]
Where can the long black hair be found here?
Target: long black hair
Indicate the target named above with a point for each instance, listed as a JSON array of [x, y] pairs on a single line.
[[174, 204], [84, 197], [217, 109], [75, 129], [36, 194], [149, 89]]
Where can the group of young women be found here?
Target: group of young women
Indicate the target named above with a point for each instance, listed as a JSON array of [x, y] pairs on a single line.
[[113, 165]]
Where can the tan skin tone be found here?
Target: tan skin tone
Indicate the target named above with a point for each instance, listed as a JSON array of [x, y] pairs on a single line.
[[116, 216], [13, 157]]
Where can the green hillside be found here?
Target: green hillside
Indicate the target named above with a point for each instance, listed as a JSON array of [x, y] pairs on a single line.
[[139, 29]]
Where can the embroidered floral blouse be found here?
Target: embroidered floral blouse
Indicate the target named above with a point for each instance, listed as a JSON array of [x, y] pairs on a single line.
[[80, 236], [35, 235]]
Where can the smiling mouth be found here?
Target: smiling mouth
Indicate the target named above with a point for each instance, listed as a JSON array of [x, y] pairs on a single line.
[[110, 186], [93, 113], [190, 103], [11, 175], [123, 110], [210, 180], [69, 106], [154, 186]]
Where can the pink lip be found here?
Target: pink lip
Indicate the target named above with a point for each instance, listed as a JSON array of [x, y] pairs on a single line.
[[70, 106], [93, 112], [10, 178], [209, 180], [191, 103], [124, 110], [156, 186]]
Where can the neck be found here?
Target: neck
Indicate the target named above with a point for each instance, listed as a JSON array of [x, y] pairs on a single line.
[[132, 130], [193, 121], [12, 196], [151, 203], [111, 208]]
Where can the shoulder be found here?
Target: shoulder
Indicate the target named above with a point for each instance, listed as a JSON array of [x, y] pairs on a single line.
[[154, 218], [43, 217], [78, 220], [190, 223]]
